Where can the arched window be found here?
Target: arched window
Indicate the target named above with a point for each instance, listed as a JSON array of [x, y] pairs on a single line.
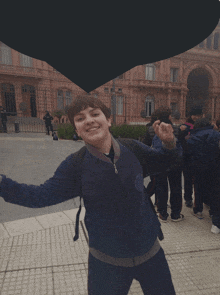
[[60, 102], [5, 54], [149, 104], [216, 37], [209, 42], [68, 98], [25, 61], [150, 72]]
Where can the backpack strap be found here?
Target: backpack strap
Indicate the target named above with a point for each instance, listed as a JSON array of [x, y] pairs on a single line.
[[80, 155]]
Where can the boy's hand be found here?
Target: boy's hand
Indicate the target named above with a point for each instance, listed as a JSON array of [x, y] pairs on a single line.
[[164, 131]]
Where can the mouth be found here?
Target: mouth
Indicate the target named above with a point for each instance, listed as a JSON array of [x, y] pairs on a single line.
[[92, 129]]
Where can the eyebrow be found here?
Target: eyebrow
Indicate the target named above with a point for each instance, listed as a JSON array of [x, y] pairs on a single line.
[[78, 114]]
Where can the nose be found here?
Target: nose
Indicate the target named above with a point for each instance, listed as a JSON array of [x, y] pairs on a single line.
[[89, 120]]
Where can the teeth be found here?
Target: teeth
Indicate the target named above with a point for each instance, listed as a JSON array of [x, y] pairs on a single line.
[[93, 129]]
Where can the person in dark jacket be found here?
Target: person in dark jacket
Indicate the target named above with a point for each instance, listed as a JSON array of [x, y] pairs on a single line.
[[173, 176], [184, 133], [203, 149], [4, 120], [122, 227], [48, 118]]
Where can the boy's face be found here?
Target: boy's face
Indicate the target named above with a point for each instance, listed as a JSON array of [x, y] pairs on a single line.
[[196, 117], [92, 125]]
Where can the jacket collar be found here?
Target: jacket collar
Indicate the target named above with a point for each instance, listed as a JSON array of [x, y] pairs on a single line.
[[94, 151]]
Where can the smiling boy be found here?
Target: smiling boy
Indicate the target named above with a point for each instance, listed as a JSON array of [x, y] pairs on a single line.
[[123, 229]]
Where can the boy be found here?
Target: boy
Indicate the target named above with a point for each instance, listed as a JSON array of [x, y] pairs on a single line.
[[174, 177], [122, 227]]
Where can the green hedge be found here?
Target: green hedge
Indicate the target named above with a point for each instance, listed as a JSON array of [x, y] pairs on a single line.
[[66, 131]]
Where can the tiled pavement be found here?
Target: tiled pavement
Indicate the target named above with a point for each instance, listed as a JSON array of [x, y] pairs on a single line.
[[38, 256]]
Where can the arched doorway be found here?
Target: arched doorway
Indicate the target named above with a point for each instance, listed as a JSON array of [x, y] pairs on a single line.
[[8, 98], [29, 96], [198, 83]]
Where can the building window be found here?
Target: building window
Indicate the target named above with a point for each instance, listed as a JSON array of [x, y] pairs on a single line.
[[60, 102], [96, 95], [216, 37], [68, 98], [209, 42], [174, 107], [201, 45], [120, 105], [25, 61], [150, 72], [106, 90], [173, 75], [5, 54], [119, 90], [149, 105]]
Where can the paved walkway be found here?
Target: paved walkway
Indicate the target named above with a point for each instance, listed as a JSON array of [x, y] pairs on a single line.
[[38, 255]]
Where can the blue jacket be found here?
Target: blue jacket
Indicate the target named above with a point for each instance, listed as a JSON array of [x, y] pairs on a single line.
[[119, 219], [203, 146]]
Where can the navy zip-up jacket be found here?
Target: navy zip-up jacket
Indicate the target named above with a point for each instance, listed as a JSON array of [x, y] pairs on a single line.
[[119, 219], [203, 146]]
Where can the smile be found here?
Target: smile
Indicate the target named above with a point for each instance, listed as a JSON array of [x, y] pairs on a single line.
[[92, 129]]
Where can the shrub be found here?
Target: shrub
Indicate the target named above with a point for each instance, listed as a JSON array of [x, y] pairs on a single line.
[[66, 131]]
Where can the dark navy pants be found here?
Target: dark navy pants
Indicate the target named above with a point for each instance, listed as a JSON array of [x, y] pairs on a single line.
[[153, 275], [188, 182], [175, 183], [207, 188]]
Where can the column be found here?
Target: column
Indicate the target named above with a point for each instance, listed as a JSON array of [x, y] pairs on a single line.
[[18, 98]]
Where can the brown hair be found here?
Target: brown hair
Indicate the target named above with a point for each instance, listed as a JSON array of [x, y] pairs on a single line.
[[84, 101], [163, 114]]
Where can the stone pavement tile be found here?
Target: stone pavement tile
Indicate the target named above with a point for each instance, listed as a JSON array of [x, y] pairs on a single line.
[[22, 226], [191, 234], [195, 271], [53, 219], [71, 279], [3, 232], [26, 282], [72, 213], [37, 251]]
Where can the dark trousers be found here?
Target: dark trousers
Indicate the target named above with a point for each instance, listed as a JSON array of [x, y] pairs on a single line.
[[153, 275], [174, 178], [151, 188], [207, 187], [188, 182], [49, 127], [4, 125]]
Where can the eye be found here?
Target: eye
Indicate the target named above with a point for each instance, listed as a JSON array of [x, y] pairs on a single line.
[[95, 114], [79, 119]]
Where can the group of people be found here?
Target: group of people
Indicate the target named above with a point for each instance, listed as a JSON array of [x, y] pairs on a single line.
[[200, 165], [108, 173]]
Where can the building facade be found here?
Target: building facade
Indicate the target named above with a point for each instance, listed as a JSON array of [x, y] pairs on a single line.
[[29, 86]]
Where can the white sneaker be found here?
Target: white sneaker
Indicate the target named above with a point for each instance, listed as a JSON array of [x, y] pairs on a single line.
[[215, 229]]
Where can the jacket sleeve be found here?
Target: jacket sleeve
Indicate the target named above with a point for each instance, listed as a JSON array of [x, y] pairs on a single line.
[[158, 159], [64, 185], [147, 139]]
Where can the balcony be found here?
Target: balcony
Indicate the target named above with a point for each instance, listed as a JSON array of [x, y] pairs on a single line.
[[21, 71]]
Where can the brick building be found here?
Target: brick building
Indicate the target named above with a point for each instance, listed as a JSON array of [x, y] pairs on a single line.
[[188, 79]]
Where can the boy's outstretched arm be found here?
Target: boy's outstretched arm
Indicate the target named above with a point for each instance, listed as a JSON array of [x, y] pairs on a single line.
[[64, 185]]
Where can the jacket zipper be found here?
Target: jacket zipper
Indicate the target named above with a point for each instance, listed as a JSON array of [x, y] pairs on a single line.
[[116, 171]]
